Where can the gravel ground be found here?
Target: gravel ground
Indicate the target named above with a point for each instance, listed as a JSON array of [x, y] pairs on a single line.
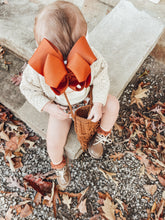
[[85, 171]]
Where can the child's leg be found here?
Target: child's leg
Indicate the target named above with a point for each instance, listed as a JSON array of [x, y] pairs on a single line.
[[57, 133], [110, 113]]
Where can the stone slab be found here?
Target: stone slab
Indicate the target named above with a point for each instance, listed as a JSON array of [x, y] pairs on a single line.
[[125, 37], [17, 22], [155, 10]]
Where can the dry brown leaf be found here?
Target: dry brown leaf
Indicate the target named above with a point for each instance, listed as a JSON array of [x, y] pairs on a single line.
[[117, 156], [151, 189], [162, 116], [137, 95], [9, 215], [78, 195], [142, 171], [15, 142], [37, 198], [1, 126], [150, 168], [29, 143], [109, 209], [160, 210], [123, 205], [151, 177], [108, 175], [4, 136], [55, 198], [82, 206], [66, 200], [9, 156], [96, 217], [161, 180], [26, 211], [119, 128], [17, 162], [121, 215], [153, 207], [46, 201], [12, 182]]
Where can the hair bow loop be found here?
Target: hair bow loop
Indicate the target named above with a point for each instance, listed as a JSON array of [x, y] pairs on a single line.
[[54, 65], [79, 67]]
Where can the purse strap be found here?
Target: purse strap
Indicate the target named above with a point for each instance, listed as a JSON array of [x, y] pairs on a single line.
[[70, 107]]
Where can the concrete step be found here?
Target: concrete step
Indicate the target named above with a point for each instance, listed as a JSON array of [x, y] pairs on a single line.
[[155, 10], [125, 37], [17, 21]]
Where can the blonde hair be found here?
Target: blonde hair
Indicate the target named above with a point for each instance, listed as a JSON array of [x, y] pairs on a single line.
[[62, 23]]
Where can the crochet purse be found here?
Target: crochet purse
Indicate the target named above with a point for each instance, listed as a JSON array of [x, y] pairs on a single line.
[[84, 128]]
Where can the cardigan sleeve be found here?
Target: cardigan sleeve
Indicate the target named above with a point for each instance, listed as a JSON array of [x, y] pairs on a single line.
[[31, 88], [100, 79]]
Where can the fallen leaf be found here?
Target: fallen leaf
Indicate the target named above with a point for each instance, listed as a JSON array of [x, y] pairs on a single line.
[[151, 177], [123, 205], [96, 217], [160, 210], [55, 199], [38, 184], [17, 161], [29, 143], [119, 128], [153, 207], [26, 211], [78, 195], [66, 200], [109, 209], [9, 156], [137, 95], [108, 175], [117, 156], [121, 215], [82, 206], [162, 116], [142, 171], [161, 180], [9, 215], [4, 136], [37, 198], [151, 189], [46, 201], [13, 182]]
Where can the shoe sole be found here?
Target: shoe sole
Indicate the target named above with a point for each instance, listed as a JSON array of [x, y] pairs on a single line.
[[92, 155]]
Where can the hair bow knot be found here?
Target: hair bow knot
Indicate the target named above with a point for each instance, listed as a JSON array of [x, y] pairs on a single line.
[[76, 74]]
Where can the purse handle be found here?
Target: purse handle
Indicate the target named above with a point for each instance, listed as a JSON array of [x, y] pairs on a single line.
[[70, 107]]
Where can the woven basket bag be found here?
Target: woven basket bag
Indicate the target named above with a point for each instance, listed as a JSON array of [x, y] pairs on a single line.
[[84, 128]]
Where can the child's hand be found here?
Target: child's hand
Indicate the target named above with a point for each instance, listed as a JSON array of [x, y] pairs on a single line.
[[57, 111], [96, 112]]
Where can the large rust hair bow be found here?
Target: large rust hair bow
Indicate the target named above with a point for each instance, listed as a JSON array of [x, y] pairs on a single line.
[[76, 74]]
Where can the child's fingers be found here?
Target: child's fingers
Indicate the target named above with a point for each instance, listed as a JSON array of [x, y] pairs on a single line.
[[90, 116], [96, 118], [63, 107]]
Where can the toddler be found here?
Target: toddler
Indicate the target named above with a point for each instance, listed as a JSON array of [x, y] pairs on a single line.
[[64, 62]]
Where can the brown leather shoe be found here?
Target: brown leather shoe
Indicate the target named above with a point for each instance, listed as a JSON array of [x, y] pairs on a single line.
[[63, 176], [96, 149]]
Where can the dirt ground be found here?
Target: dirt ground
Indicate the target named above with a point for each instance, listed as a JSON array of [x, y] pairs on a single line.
[[127, 183]]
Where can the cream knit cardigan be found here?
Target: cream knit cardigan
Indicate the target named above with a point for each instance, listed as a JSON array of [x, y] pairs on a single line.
[[38, 93]]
